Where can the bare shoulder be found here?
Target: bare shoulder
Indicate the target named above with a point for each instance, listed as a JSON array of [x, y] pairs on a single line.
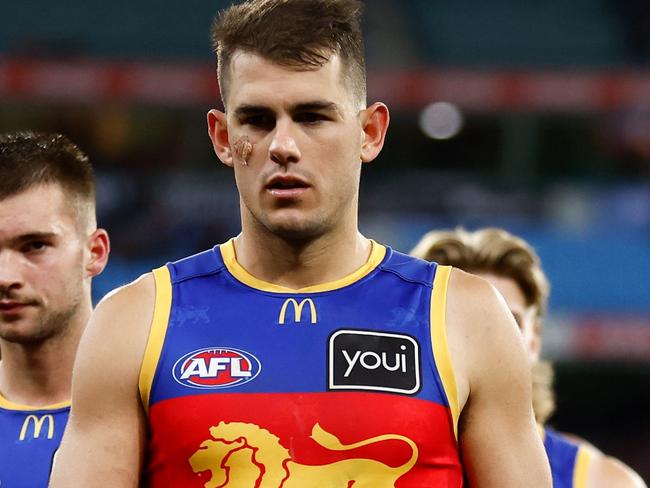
[[608, 472], [481, 330], [136, 297], [120, 323], [113, 345], [605, 471], [469, 299]]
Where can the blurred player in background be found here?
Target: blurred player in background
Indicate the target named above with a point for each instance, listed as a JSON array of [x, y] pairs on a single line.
[[512, 267], [300, 353], [50, 248]]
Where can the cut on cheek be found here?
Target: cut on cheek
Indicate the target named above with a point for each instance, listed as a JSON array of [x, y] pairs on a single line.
[[242, 149]]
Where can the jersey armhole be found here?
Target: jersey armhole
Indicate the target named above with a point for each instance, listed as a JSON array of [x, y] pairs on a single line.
[[581, 468], [441, 354], [156, 339]]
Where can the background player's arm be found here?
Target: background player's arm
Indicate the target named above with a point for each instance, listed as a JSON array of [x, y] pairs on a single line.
[[608, 472], [605, 471], [500, 444], [104, 441]]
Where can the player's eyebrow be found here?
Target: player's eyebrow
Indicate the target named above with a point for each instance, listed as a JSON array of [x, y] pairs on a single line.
[[311, 106], [36, 236], [318, 105], [245, 110], [31, 236]]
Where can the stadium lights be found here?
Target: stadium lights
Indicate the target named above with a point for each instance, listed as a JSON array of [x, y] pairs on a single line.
[[441, 120]]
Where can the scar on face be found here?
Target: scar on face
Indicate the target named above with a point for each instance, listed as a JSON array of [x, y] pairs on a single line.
[[243, 149]]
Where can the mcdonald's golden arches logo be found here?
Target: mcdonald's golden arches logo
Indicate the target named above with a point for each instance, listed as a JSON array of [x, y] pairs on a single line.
[[297, 310], [38, 426]]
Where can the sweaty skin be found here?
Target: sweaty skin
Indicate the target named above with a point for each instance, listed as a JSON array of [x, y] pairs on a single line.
[[243, 149]]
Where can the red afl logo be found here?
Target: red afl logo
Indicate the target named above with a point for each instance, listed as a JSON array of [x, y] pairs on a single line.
[[216, 367]]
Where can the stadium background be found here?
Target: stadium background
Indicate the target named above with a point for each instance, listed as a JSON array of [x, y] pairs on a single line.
[[538, 120]]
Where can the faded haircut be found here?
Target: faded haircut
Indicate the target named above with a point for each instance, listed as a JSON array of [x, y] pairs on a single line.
[[490, 250], [298, 34], [29, 159]]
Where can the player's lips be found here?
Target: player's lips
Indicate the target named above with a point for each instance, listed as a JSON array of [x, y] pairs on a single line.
[[287, 186], [12, 307]]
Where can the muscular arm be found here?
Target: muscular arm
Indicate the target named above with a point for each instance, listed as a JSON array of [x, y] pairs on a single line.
[[105, 438], [498, 436]]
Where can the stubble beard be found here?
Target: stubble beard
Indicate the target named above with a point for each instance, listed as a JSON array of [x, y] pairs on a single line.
[[49, 324], [306, 228]]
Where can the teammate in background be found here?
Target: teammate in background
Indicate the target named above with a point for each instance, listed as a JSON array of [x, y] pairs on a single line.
[[513, 267], [300, 353], [50, 248]]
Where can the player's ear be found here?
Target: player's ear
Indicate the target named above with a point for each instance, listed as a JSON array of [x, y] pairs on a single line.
[[98, 248], [218, 133], [536, 341], [374, 124]]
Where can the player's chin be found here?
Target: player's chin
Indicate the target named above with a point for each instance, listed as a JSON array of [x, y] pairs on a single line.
[[294, 225], [14, 320], [19, 332]]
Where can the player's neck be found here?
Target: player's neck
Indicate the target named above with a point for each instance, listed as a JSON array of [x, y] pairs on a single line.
[[41, 374], [301, 264]]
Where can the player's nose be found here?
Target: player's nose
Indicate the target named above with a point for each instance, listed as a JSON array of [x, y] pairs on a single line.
[[10, 271], [284, 148]]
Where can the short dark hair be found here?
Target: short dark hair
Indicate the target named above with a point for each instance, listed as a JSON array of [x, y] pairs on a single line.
[[29, 159], [300, 34]]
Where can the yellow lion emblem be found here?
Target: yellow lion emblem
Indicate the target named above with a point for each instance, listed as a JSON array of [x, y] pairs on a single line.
[[246, 456]]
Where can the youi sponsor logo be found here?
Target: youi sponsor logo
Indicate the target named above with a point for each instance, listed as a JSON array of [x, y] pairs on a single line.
[[214, 368], [372, 360]]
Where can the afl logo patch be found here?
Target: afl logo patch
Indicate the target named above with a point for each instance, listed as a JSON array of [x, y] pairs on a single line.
[[214, 368]]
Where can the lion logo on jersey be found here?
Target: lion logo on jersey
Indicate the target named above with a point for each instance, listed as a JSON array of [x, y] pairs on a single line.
[[245, 455]]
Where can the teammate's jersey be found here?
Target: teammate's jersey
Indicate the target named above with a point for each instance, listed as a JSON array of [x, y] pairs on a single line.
[[568, 460], [29, 437], [250, 384]]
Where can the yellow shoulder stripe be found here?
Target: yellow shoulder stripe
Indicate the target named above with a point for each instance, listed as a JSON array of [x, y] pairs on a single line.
[[162, 309], [581, 468], [440, 346]]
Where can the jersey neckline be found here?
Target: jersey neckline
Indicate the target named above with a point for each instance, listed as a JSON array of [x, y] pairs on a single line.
[[377, 255], [9, 405]]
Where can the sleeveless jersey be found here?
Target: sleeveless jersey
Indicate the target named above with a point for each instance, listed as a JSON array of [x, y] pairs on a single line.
[[251, 384], [29, 437], [569, 461]]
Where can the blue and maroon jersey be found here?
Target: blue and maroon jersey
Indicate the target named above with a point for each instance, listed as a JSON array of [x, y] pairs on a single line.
[[349, 383], [569, 461], [29, 437]]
